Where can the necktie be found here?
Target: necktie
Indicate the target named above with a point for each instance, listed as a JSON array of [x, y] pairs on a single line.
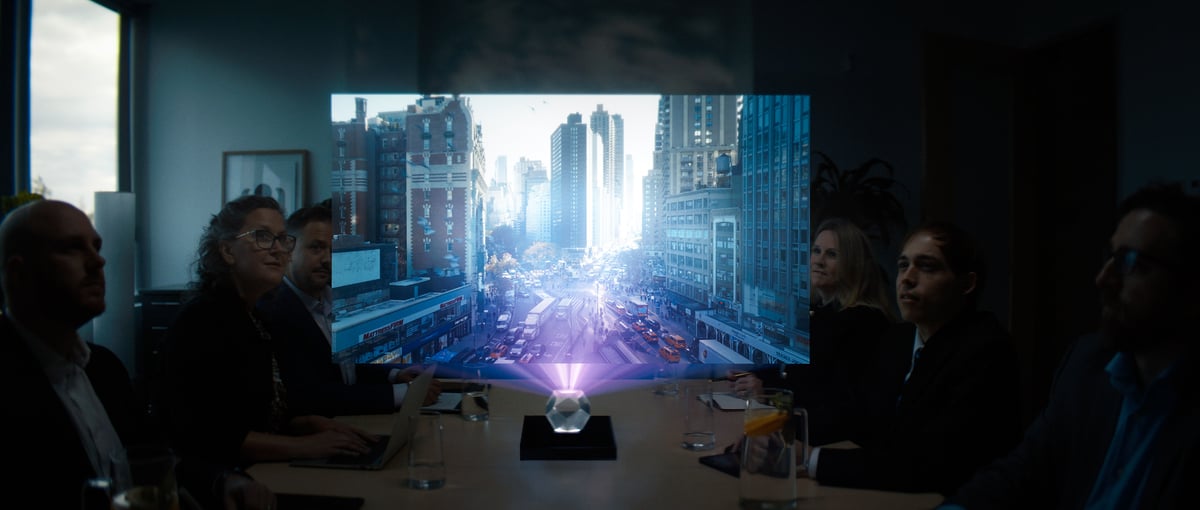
[[911, 368]]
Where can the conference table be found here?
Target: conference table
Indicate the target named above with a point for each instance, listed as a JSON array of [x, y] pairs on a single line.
[[484, 468]]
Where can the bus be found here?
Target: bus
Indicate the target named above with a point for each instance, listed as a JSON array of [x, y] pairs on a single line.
[[637, 307], [565, 307]]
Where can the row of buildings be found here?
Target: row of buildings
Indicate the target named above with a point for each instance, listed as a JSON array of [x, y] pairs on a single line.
[[725, 210]]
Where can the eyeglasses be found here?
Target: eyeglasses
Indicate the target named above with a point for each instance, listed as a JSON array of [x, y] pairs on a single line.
[[1128, 260], [265, 239]]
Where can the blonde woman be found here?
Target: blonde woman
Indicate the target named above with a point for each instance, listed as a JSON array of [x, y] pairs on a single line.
[[850, 310]]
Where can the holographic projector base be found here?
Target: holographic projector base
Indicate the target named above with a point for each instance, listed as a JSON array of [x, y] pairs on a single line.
[[594, 442]]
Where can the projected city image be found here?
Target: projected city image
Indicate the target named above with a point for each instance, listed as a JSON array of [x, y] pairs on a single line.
[[570, 229]]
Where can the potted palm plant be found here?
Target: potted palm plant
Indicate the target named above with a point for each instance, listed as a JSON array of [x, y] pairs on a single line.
[[865, 195]]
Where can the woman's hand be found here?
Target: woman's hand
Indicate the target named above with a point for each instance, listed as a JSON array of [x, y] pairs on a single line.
[[745, 384], [315, 424], [435, 391], [330, 443]]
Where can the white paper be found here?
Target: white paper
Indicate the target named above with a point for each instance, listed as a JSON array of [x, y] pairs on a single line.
[[447, 401], [730, 402]]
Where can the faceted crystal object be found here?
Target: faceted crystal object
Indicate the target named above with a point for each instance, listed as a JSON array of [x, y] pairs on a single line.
[[568, 411]]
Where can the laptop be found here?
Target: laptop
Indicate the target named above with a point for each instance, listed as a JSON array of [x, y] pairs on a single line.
[[388, 445]]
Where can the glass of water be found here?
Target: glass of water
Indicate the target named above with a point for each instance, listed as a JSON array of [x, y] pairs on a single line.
[[699, 432], [426, 463], [475, 397], [666, 381]]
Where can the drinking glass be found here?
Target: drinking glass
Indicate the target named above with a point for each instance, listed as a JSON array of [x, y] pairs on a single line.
[[768, 458], [475, 397], [426, 463], [699, 432], [143, 478], [665, 380]]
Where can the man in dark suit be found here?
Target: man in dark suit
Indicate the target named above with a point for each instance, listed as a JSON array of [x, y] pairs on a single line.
[[68, 404], [1122, 426], [299, 316], [942, 400]]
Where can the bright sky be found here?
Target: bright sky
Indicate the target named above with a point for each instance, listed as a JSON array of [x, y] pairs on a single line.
[[73, 99], [520, 125]]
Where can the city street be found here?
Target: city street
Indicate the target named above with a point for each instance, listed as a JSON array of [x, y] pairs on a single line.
[[591, 332]]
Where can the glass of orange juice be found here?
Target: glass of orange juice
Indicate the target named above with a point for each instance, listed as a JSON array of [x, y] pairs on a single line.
[[768, 453]]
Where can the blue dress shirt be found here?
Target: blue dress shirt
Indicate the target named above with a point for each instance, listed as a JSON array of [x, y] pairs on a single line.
[[1127, 465]]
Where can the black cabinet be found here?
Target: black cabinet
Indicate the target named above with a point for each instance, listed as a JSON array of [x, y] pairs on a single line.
[[156, 309]]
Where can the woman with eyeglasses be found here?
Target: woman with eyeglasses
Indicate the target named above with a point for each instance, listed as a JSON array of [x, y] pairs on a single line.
[[228, 403]]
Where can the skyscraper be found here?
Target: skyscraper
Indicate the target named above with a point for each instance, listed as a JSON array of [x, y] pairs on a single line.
[[607, 175], [654, 187], [699, 129], [693, 133], [775, 218], [569, 184]]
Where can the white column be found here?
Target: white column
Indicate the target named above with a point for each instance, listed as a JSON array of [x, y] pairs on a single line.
[[115, 328]]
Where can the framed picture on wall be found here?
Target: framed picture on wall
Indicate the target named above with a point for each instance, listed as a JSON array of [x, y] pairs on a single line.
[[276, 174]]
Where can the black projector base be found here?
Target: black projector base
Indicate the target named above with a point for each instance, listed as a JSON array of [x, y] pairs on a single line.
[[594, 442]]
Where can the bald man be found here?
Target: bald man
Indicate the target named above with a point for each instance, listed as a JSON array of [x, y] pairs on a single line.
[[68, 404]]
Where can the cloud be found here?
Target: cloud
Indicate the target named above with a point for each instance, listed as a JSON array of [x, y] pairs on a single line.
[[73, 99]]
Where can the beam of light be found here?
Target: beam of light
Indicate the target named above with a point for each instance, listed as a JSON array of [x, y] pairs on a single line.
[[591, 378]]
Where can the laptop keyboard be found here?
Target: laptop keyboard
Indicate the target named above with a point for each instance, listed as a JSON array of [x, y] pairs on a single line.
[[377, 449]]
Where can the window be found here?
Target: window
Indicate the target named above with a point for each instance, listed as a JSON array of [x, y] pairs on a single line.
[[74, 46]]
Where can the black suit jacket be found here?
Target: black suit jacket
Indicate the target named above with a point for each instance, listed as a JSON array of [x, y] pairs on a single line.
[[958, 411], [43, 449], [314, 382], [1057, 463]]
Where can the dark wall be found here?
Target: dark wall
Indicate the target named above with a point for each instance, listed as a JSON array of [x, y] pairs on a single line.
[[1020, 149]]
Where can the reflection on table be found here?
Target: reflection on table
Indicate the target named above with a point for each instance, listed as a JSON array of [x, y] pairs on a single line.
[[483, 464]]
